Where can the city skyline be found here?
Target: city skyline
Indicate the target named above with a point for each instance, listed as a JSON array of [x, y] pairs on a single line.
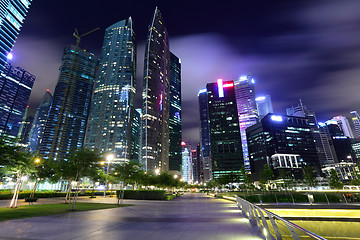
[[302, 58]]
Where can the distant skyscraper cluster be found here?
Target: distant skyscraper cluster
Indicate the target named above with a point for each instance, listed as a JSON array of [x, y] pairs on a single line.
[[93, 105]]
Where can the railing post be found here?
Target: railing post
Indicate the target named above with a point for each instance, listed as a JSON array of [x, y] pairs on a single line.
[[275, 227], [264, 223], [294, 234]]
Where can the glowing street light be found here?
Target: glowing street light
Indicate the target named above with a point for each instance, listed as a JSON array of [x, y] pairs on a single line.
[[10, 56], [157, 171], [109, 158], [37, 160], [175, 176]]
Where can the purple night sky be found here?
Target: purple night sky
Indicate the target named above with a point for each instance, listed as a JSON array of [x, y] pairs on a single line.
[[294, 49]]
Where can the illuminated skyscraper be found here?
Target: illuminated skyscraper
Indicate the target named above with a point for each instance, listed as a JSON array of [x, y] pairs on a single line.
[[225, 139], [156, 97], [175, 114], [186, 164], [15, 88], [205, 155], [112, 109], [322, 146], [67, 120], [247, 110], [40, 119], [25, 127], [136, 136], [12, 16], [356, 121], [344, 125], [264, 106], [283, 142]]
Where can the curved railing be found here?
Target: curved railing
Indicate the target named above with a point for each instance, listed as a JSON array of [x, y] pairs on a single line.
[[271, 225]]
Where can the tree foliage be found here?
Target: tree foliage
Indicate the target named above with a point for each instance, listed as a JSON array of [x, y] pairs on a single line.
[[334, 180]]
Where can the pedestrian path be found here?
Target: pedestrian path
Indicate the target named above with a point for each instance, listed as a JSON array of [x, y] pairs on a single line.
[[191, 216]]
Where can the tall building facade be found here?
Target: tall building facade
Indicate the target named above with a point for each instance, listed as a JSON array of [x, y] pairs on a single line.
[[135, 143], [320, 143], [15, 89], [65, 128], [344, 125], [186, 163], [40, 119], [112, 109], [205, 153], [356, 122], [264, 105], [283, 142], [175, 114], [156, 97], [225, 138], [247, 110], [25, 127], [12, 16]]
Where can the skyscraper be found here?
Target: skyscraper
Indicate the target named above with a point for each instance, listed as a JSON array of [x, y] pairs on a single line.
[[156, 97], [175, 114], [319, 138], [205, 135], [112, 109], [264, 105], [15, 88], [344, 125], [67, 120], [186, 164], [247, 110], [225, 139], [136, 136], [356, 121], [12, 16], [25, 127], [283, 142], [40, 119]]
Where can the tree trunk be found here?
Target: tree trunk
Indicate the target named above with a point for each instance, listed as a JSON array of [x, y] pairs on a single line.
[[13, 203], [93, 191], [75, 197], [68, 197], [32, 194]]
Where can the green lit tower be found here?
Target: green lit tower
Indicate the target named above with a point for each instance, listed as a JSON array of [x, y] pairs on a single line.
[[112, 109], [156, 97], [175, 114]]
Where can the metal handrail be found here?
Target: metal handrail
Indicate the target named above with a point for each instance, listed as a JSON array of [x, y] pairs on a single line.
[[256, 215]]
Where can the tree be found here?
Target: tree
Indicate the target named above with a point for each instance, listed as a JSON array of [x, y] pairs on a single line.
[[266, 174], [45, 169], [17, 163], [310, 176], [81, 163], [334, 180]]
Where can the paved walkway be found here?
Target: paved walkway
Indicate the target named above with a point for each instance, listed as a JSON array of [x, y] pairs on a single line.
[[191, 216]]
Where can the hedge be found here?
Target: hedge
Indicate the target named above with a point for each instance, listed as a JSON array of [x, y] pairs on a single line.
[[144, 194], [8, 194]]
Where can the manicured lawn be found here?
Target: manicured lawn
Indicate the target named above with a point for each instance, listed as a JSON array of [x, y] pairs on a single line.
[[49, 209]]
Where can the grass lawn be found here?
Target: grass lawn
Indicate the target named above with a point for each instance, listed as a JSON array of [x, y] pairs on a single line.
[[49, 209]]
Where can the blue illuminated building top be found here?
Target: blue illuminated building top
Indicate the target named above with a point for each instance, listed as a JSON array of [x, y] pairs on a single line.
[[12, 16]]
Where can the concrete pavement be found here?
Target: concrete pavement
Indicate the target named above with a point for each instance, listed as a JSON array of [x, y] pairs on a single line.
[[191, 216]]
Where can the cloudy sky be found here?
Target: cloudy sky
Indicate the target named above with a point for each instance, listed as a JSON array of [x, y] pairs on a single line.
[[307, 50]]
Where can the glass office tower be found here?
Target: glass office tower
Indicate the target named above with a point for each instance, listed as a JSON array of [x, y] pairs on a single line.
[[156, 97], [15, 89], [205, 135], [12, 16], [247, 110], [225, 139], [175, 114], [40, 119], [112, 108], [65, 128]]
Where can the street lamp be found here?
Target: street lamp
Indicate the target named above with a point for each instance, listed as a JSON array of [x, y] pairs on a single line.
[[109, 158], [37, 160]]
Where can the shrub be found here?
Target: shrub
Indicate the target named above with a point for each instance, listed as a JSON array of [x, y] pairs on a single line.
[[144, 194]]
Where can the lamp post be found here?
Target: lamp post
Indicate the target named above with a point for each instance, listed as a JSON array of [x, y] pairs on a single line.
[[109, 158]]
